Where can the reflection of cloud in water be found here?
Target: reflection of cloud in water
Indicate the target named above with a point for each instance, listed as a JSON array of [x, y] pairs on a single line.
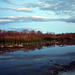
[[26, 66], [33, 57], [19, 58]]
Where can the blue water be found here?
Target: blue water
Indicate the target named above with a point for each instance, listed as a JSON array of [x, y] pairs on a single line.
[[35, 62]]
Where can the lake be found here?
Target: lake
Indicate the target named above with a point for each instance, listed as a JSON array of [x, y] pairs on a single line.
[[40, 60]]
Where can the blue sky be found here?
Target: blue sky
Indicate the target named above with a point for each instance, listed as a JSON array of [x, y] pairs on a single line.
[[56, 16]]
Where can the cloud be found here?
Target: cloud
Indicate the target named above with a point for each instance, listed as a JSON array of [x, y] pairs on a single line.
[[16, 19], [26, 18], [60, 7], [32, 4], [26, 28], [26, 4], [3, 22], [72, 19], [11, 2], [17, 9]]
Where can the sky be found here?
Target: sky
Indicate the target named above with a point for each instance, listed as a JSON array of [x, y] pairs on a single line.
[[57, 16]]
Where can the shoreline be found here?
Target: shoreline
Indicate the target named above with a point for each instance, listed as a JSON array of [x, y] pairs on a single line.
[[27, 44], [57, 70], [46, 43]]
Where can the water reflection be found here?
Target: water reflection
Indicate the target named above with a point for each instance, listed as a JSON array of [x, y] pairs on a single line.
[[37, 60], [34, 47]]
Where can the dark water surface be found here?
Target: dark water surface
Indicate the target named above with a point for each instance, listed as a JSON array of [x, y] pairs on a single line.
[[36, 61]]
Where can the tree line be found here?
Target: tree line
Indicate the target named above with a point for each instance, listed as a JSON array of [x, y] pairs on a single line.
[[15, 37]]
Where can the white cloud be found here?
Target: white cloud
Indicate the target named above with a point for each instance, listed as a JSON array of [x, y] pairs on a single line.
[[32, 4], [11, 2], [60, 7], [17, 19], [26, 18], [17, 9], [26, 28], [2, 22]]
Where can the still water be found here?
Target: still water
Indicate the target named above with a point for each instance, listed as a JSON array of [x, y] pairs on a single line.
[[36, 61]]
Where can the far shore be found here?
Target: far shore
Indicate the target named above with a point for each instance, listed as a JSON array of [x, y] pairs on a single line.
[[26, 44], [21, 45]]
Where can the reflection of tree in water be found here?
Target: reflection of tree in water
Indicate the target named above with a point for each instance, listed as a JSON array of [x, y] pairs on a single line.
[[61, 44], [26, 48], [34, 47]]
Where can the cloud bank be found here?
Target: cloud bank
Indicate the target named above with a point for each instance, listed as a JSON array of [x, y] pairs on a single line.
[[60, 7], [17, 19]]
